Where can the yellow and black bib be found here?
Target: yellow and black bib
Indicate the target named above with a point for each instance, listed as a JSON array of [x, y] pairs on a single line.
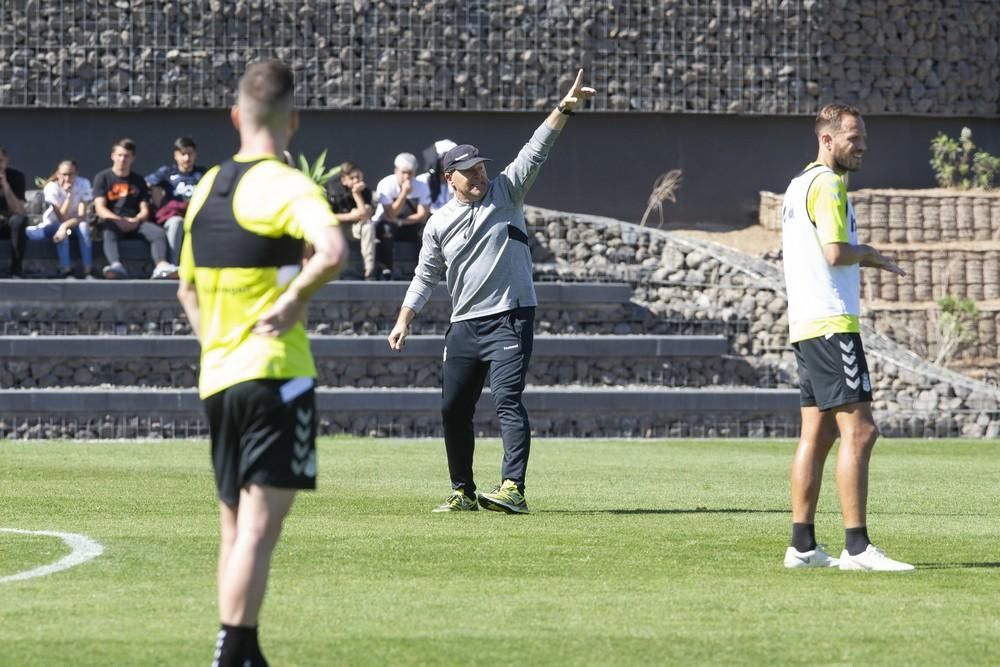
[[243, 243]]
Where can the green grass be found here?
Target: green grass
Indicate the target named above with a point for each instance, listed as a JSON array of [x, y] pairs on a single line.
[[637, 552]]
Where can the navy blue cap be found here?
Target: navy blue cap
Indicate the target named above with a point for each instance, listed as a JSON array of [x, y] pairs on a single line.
[[462, 156]]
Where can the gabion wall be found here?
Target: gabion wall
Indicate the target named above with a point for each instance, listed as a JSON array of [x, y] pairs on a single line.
[[936, 57]]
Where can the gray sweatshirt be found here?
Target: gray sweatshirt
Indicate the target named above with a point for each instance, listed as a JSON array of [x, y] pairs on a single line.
[[482, 248]]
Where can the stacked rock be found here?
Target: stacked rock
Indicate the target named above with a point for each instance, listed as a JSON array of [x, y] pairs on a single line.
[[674, 56]]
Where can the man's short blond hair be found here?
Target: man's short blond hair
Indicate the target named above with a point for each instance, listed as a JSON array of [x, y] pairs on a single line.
[[265, 95], [831, 116]]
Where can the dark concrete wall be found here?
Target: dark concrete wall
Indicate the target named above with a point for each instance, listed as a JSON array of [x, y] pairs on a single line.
[[604, 164]]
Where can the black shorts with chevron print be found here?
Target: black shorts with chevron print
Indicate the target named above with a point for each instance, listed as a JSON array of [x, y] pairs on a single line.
[[263, 432], [832, 371]]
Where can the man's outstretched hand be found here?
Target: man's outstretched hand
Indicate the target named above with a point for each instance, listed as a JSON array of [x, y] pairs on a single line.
[[578, 93]]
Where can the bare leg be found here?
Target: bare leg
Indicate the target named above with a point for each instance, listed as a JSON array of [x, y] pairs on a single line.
[[819, 432], [258, 525], [857, 439], [858, 434], [227, 516]]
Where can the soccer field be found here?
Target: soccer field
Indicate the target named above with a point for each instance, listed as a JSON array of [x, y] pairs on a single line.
[[636, 552]]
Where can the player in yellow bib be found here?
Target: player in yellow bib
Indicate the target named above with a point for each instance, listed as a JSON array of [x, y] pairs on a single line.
[[244, 288], [822, 260]]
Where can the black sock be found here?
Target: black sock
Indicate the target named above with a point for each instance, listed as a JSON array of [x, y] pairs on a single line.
[[804, 536], [236, 646], [856, 540]]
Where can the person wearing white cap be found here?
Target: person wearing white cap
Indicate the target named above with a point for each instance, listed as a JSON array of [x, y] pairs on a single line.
[[441, 192], [403, 207], [478, 243]]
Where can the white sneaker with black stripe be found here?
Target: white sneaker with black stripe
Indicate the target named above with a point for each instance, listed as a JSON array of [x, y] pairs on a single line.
[[815, 558]]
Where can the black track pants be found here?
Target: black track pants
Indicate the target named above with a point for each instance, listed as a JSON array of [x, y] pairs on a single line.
[[498, 347]]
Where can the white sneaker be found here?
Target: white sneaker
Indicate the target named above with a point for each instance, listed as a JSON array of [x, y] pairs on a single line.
[[815, 558], [873, 559], [165, 271]]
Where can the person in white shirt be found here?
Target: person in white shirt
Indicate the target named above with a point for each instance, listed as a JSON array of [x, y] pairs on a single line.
[[403, 208], [822, 259], [67, 195], [441, 192]]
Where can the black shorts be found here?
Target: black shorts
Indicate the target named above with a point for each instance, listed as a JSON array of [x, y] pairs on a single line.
[[833, 371], [263, 432]]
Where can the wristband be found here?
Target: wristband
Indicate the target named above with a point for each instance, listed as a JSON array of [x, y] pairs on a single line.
[[567, 112]]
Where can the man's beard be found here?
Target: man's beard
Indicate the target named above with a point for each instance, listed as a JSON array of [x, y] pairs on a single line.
[[847, 162]]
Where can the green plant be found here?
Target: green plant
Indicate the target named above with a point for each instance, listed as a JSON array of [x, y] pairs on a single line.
[[317, 171], [956, 324], [957, 163], [985, 170]]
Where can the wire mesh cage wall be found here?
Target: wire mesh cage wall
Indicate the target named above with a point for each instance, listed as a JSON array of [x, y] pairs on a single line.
[[708, 56]]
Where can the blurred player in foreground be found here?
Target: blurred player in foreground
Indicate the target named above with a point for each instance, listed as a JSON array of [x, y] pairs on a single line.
[[244, 288]]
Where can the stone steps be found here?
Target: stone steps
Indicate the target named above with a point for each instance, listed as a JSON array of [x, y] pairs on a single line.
[[28, 362], [132, 307], [567, 411], [634, 379]]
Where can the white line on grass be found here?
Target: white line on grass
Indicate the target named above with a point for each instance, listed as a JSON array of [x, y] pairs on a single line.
[[82, 549]]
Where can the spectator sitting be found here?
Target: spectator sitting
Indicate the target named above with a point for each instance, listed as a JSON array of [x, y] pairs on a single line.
[[13, 221], [170, 189], [67, 195], [121, 203], [351, 200], [403, 207], [440, 190]]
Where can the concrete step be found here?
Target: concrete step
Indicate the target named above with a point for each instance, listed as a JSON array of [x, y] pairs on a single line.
[[143, 400], [40, 259], [132, 307], [353, 347], [66, 307], [366, 361], [578, 411], [141, 291]]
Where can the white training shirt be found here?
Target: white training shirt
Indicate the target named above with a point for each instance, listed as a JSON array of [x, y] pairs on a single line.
[[822, 299]]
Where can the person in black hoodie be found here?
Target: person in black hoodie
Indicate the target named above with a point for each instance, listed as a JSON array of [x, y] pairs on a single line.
[[13, 221], [441, 192]]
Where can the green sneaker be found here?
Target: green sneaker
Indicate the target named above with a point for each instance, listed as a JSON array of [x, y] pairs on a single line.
[[504, 498], [458, 502]]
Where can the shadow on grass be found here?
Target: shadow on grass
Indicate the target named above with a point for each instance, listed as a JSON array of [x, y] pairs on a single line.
[[696, 510], [739, 510], [954, 566]]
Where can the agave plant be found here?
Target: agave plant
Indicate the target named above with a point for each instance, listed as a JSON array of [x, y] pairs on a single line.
[[317, 171]]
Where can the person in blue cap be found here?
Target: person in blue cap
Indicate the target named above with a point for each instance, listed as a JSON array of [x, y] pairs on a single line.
[[478, 243]]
